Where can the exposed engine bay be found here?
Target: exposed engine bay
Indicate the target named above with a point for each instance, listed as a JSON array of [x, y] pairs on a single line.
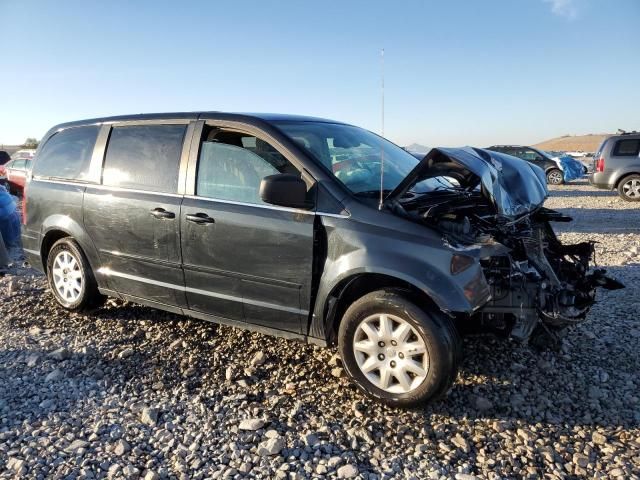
[[537, 283]]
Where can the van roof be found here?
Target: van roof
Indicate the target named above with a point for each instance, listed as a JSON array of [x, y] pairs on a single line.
[[209, 115]]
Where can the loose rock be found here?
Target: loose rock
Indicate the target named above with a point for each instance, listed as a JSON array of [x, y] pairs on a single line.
[[348, 471], [273, 446], [149, 416], [251, 424]]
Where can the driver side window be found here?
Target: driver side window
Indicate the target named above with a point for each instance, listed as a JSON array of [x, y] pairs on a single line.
[[231, 166]]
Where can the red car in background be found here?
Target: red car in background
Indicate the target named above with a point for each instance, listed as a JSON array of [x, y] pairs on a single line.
[[4, 159], [16, 173]]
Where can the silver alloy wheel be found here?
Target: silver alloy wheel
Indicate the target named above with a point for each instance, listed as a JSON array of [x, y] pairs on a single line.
[[631, 188], [67, 276], [555, 177], [390, 353]]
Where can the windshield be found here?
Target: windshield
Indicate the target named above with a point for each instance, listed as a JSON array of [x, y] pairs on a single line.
[[353, 154]]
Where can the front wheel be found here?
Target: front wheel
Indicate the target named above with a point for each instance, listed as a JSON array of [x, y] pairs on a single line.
[[71, 278], [397, 352], [629, 188], [555, 177]]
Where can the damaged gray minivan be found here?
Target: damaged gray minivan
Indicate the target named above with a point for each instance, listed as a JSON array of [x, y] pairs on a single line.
[[309, 229]]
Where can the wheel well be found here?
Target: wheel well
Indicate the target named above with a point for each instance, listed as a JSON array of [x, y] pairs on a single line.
[[352, 288], [619, 181], [49, 239]]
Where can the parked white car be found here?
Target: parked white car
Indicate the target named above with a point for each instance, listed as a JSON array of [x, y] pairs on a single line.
[[24, 153]]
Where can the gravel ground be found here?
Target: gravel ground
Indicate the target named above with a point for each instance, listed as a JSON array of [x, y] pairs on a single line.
[[132, 392]]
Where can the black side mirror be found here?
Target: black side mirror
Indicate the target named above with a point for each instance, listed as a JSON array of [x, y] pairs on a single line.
[[285, 190]]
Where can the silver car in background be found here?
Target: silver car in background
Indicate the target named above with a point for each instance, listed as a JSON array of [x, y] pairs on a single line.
[[616, 165]]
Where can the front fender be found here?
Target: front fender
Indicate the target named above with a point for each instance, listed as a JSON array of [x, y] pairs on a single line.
[[424, 262]]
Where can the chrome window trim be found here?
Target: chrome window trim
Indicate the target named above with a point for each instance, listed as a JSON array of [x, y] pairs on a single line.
[[76, 183], [150, 121], [192, 197], [97, 158], [335, 215], [97, 186], [133, 190], [246, 204], [192, 162], [184, 157]]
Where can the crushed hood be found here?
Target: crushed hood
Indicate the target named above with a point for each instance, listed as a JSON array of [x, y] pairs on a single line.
[[515, 187]]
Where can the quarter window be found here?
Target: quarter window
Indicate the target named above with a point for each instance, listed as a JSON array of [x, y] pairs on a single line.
[[67, 154], [144, 157], [627, 148], [231, 166]]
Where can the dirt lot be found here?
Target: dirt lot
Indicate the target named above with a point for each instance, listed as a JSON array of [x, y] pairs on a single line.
[[132, 392]]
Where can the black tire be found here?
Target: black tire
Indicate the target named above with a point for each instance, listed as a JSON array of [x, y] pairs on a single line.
[[626, 186], [442, 342], [89, 296], [555, 177]]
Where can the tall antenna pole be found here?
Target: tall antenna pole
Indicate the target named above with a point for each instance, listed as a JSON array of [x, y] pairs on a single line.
[[382, 129]]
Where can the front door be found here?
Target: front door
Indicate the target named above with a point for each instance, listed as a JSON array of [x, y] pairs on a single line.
[[133, 218], [244, 259]]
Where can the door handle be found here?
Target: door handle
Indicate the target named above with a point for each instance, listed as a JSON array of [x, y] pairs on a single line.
[[162, 213], [199, 218]]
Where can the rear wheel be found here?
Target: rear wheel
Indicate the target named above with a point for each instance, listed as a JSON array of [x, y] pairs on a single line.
[[555, 177], [629, 188], [71, 278], [397, 352]]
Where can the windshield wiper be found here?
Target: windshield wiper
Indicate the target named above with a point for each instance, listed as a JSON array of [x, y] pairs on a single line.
[[373, 193]]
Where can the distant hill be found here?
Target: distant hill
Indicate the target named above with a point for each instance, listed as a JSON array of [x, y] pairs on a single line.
[[574, 143], [417, 148]]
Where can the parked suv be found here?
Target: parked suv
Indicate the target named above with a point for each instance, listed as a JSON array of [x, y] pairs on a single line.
[[616, 164], [536, 157], [278, 223]]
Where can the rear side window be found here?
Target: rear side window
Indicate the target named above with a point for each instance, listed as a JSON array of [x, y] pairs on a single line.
[[627, 148], [67, 154], [144, 157]]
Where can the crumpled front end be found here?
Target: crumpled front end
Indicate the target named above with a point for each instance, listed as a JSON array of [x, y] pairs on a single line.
[[486, 200], [539, 283]]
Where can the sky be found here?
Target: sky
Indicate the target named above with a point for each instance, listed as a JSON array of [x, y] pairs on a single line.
[[455, 72]]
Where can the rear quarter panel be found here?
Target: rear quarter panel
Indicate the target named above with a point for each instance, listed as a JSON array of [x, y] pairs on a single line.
[[621, 167], [55, 206]]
